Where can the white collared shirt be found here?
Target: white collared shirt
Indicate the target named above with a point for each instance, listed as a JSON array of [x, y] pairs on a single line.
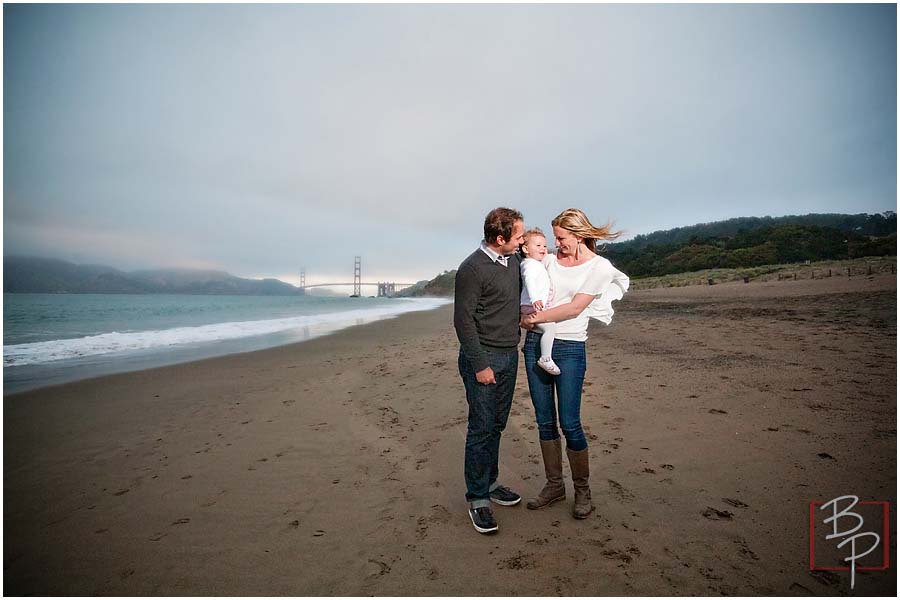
[[497, 258]]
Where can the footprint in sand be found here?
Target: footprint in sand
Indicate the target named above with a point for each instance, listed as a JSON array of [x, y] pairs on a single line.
[[212, 501], [619, 491], [796, 588], [735, 502], [378, 568], [519, 562], [825, 577], [745, 550], [714, 514], [616, 555]]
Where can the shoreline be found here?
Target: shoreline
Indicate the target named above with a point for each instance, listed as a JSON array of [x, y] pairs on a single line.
[[30, 377], [334, 466]]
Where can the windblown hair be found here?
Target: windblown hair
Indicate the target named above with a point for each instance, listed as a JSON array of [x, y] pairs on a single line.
[[575, 221], [500, 221]]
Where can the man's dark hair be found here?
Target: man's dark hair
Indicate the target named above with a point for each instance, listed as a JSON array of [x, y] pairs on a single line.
[[500, 221]]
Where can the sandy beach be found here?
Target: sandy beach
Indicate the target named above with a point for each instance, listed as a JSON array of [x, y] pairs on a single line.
[[715, 415]]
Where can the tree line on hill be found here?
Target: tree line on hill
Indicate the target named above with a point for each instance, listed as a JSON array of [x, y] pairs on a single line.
[[877, 225], [737, 243], [776, 245]]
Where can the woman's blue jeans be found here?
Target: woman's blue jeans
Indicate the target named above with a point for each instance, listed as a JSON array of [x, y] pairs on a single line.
[[572, 362]]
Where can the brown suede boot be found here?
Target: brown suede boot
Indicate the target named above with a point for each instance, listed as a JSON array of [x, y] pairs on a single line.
[[578, 461], [555, 488]]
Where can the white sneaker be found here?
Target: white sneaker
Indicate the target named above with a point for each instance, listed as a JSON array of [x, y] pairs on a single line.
[[547, 364]]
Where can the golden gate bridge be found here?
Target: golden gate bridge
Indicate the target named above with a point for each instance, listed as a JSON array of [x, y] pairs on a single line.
[[385, 288]]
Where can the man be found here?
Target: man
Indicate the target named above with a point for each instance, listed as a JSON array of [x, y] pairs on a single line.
[[486, 318]]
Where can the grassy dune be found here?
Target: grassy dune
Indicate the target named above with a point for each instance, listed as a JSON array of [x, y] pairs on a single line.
[[814, 270]]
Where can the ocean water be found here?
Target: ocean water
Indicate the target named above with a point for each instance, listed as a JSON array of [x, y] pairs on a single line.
[[54, 338]]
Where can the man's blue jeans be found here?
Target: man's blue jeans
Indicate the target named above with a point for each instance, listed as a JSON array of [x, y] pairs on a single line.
[[570, 358], [489, 407]]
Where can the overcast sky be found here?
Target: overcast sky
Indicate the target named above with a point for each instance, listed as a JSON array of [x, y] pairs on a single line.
[[264, 139]]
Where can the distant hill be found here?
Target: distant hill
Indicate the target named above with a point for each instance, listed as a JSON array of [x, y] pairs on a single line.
[[441, 286], [45, 275], [753, 241], [740, 242], [861, 224]]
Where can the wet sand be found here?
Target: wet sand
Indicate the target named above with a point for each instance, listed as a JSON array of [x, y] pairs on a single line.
[[715, 415]]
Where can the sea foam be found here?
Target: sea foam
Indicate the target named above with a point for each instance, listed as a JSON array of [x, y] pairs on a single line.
[[15, 355]]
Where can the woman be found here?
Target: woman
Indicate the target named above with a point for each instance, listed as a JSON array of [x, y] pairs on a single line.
[[584, 286]]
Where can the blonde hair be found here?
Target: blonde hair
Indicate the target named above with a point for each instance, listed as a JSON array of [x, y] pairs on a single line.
[[575, 221], [529, 234]]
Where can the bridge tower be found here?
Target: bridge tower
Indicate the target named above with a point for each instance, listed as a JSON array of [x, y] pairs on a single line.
[[357, 277], [386, 289], [303, 281]]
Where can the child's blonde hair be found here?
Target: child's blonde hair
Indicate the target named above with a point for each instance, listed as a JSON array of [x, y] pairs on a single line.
[[532, 232], [527, 235]]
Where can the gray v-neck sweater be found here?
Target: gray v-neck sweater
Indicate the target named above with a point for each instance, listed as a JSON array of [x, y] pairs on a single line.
[[486, 306]]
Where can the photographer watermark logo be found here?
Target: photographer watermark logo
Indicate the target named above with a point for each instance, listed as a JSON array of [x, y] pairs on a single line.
[[848, 535]]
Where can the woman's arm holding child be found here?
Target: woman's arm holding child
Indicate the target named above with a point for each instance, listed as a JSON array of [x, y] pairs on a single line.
[[563, 312]]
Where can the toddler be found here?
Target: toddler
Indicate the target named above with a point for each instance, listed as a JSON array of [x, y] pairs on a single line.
[[537, 293]]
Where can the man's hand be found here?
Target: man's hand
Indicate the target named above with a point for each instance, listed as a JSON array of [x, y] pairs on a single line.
[[527, 322], [538, 305], [485, 377]]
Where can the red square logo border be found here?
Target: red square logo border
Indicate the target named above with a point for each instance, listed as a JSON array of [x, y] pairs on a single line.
[[885, 538]]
